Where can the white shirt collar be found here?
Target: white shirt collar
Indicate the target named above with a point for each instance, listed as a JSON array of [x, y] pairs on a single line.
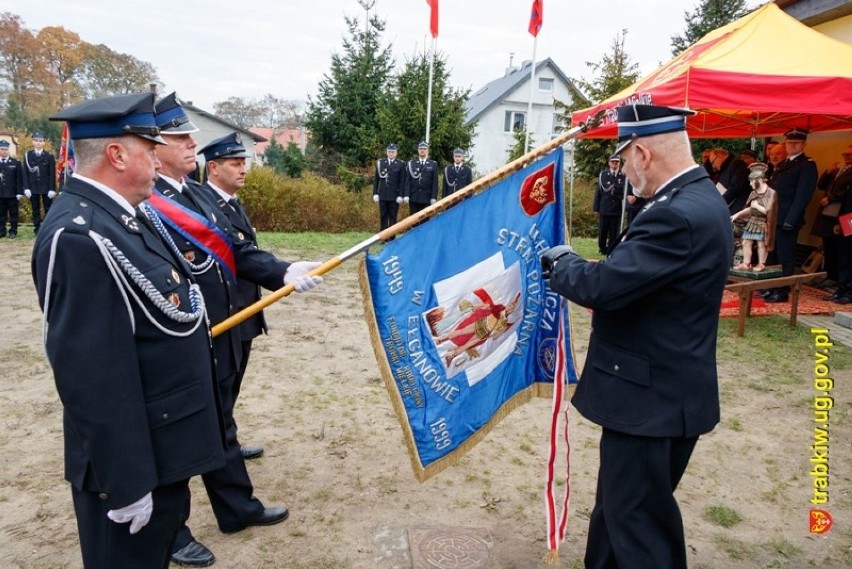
[[794, 156], [222, 193], [116, 197], [172, 182]]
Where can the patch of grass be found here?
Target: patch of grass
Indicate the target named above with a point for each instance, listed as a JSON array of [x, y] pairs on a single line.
[[735, 425], [735, 548], [785, 548], [722, 516]]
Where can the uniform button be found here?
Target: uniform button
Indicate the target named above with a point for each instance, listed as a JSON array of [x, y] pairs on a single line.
[[615, 367], [103, 496], [165, 416]]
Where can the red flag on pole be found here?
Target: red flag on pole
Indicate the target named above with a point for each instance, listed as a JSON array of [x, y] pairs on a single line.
[[433, 19], [536, 17]]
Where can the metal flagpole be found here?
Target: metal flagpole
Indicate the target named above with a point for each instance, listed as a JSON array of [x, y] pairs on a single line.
[[429, 95], [478, 186], [529, 105]]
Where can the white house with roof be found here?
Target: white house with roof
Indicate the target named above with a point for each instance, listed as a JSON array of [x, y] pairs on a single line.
[[211, 127], [501, 106]]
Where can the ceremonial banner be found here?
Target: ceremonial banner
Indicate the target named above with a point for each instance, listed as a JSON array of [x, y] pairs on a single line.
[[536, 17], [433, 17], [463, 325]]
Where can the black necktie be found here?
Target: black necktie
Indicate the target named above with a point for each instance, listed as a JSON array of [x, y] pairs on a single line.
[[238, 207]]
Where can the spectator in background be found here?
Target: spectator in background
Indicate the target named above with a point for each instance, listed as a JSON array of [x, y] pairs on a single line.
[[775, 154], [732, 181], [11, 180], [39, 178], [456, 175], [607, 204], [421, 184], [748, 156], [836, 183], [388, 186]]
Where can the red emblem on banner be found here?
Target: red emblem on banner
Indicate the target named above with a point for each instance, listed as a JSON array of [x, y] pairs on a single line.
[[820, 521], [538, 190]]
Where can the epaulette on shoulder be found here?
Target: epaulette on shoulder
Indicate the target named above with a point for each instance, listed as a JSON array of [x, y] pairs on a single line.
[[79, 219], [192, 183]]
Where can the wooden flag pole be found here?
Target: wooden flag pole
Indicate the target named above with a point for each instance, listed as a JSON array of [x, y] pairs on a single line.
[[406, 224]]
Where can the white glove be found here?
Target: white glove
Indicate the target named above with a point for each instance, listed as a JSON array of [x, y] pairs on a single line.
[[51, 194], [138, 513], [28, 193], [398, 200], [376, 198], [20, 197], [405, 199], [433, 200], [297, 275]]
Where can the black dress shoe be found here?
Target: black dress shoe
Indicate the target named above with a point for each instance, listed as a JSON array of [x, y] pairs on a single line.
[[251, 452], [13, 236], [777, 297], [193, 554], [269, 517]]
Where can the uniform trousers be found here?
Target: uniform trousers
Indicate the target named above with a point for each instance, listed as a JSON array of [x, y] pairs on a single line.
[[388, 210], [785, 246], [414, 207], [608, 231], [636, 522], [108, 545], [37, 200], [9, 207]]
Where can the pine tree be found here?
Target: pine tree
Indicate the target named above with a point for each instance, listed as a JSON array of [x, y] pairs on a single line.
[[343, 119], [706, 17], [402, 116]]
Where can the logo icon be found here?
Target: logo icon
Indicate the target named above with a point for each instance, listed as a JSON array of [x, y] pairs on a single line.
[[538, 190], [820, 521]]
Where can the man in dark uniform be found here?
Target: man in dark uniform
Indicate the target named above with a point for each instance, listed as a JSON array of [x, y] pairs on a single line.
[[837, 184], [126, 336], [607, 204], [11, 190], [653, 390], [421, 181], [843, 294], [216, 254], [794, 181], [388, 187], [457, 175], [732, 175], [39, 178]]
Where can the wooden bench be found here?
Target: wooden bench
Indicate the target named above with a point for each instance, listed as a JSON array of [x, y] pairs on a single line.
[[745, 287]]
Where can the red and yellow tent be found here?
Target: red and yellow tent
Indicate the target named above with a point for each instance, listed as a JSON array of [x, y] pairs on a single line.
[[758, 76]]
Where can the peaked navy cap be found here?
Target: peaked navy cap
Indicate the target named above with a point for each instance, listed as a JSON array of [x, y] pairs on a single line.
[[112, 116], [636, 121], [171, 118], [228, 146]]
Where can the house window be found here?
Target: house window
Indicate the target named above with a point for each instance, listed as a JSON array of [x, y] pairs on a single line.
[[514, 121], [545, 84]]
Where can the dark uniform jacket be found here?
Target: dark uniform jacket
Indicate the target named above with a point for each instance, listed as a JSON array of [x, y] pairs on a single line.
[[734, 176], [389, 179], [794, 181], [421, 181], [11, 178], [39, 172], [247, 292], [217, 284], [610, 193], [651, 363], [456, 178], [139, 406]]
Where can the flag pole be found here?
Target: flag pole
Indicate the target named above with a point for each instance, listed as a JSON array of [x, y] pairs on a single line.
[[532, 91], [429, 93], [478, 186]]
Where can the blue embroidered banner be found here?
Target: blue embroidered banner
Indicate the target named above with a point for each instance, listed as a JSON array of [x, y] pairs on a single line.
[[462, 322]]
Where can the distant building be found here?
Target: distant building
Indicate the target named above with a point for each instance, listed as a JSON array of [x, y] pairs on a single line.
[[283, 136], [501, 106], [212, 127]]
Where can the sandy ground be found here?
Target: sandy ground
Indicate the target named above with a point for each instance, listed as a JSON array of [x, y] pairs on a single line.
[[335, 455]]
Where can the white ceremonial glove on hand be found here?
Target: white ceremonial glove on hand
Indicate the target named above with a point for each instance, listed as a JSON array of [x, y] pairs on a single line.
[[51, 194], [405, 199], [28, 193], [297, 275], [20, 197], [398, 200], [433, 200], [138, 513], [376, 198]]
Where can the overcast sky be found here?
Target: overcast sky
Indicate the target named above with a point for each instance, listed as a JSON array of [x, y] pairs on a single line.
[[209, 50]]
